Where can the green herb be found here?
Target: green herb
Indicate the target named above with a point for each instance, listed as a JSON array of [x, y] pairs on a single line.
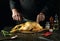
[[5, 33]]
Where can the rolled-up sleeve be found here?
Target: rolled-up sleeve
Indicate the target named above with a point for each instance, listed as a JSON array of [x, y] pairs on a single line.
[[49, 7], [12, 4], [45, 9]]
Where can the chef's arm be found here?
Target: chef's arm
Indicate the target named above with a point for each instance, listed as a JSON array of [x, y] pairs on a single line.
[[42, 15], [16, 14], [49, 9]]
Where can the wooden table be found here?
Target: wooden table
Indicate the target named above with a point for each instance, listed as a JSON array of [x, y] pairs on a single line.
[[31, 36]]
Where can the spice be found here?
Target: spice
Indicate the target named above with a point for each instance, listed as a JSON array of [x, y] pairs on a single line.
[[47, 26]]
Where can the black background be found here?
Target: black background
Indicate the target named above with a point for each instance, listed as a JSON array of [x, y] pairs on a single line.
[[5, 14]]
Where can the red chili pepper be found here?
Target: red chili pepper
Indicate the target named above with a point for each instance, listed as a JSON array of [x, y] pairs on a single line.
[[47, 34]]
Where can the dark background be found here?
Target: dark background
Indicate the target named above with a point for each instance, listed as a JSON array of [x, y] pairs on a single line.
[[5, 12]]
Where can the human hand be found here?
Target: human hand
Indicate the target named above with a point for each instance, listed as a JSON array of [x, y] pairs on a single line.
[[40, 17], [16, 15]]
